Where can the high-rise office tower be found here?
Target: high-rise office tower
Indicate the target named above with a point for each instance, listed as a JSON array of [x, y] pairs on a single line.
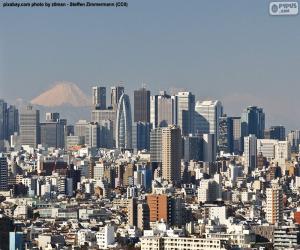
[[116, 93], [171, 153], [3, 172], [192, 148], [80, 129], [250, 153], [294, 140], [3, 120], [163, 110], [142, 105], [99, 97], [274, 204], [12, 120], [185, 112], [225, 142], [141, 136], [207, 118], [92, 135], [156, 145], [253, 122], [209, 148], [106, 134], [53, 131], [236, 136], [277, 133], [29, 126], [124, 123]]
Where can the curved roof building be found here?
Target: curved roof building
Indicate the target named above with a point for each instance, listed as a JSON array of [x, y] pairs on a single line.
[[124, 123]]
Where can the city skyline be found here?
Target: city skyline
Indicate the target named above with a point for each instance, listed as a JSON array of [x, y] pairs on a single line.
[[242, 56]]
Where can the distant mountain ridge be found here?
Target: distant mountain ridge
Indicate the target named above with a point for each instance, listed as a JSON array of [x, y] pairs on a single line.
[[61, 94]]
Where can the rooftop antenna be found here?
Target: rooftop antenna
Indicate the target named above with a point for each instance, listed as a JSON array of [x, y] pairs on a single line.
[[144, 85]]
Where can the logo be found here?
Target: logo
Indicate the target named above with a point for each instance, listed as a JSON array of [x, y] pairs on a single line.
[[283, 8]]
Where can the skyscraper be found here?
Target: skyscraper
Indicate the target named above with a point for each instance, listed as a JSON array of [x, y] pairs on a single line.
[[207, 117], [225, 142], [3, 172], [124, 123], [3, 120], [209, 148], [171, 153], [253, 122], [274, 204], [141, 135], [192, 148], [163, 110], [277, 132], [116, 93], [53, 131], [294, 140], [236, 130], [185, 112], [142, 105], [13, 120], [250, 153], [156, 145], [92, 135], [99, 97], [29, 126]]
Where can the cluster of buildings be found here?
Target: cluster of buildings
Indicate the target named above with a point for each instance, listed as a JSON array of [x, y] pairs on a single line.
[[174, 173]]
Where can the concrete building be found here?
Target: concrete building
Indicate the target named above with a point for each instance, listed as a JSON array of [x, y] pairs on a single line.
[[207, 118], [29, 126], [250, 153], [163, 110], [185, 112], [171, 154], [274, 206]]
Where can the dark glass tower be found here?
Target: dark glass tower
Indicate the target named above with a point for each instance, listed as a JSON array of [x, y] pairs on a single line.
[[142, 105]]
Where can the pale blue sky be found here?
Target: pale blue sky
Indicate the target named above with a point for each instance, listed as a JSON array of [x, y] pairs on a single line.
[[230, 50]]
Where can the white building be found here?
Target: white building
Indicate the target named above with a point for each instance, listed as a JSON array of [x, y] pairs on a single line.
[[180, 243], [105, 237], [207, 117]]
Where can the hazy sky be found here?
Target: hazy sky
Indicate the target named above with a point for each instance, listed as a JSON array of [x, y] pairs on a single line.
[[230, 50]]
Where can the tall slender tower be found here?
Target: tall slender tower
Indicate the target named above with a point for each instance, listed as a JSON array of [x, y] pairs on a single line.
[[274, 204], [142, 105], [185, 112], [171, 153], [3, 120], [124, 123], [250, 153], [3, 172]]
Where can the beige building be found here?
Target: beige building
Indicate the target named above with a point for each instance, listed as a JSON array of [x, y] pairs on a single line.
[[274, 213], [171, 153]]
